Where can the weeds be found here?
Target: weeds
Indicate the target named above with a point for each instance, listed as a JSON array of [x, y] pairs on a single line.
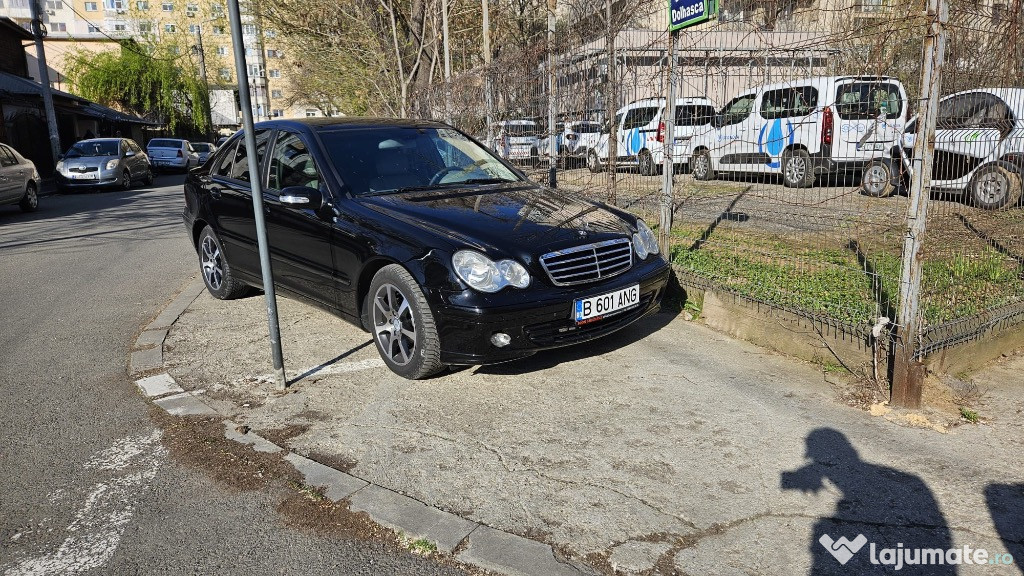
[[969, 415]]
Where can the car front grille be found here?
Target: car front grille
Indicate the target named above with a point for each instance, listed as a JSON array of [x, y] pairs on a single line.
[[83, 169], [589, 263]]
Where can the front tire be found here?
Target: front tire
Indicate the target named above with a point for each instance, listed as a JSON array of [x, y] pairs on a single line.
[[217, 274], [995, 187], [30, 201], [796, 169], [700, 166], [402, 324], [876, 180], [126, 180]]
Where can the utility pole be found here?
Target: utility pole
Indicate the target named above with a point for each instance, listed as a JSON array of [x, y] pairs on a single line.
[[238, 43], [447, 63], [44, 79], [552, 144], [669, 118], [611, 102], [488, 94], [908, 371]]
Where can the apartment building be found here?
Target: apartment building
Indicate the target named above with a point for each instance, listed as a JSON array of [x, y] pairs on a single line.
[[182, 26]]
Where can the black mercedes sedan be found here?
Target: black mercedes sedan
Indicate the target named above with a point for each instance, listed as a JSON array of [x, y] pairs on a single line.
[[414, 231]]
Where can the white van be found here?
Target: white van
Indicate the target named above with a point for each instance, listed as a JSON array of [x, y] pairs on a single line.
[[803, 128], [517, 141], [640, 135]]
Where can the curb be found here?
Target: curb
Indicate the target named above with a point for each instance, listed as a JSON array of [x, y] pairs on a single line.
[[479, 545]]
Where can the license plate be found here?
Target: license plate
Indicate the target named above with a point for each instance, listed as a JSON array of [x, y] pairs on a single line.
[[88, 176], [596, 307]]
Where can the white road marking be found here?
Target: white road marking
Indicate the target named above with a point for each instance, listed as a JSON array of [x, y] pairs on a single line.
[[94, 534]]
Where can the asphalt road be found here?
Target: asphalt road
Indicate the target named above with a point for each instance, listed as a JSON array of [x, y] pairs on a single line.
[[87, 487]]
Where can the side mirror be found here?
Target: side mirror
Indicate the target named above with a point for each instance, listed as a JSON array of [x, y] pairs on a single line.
[[129, 154], [302, 197]]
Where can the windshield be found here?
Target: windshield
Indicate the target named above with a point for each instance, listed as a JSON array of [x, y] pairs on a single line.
[[587, 127], [515, 130], [164, 143], [374, 160], [104, 148]]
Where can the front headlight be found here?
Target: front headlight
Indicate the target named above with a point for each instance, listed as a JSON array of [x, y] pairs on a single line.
[[645, 242], [112, 163], [60, 166], [486, 275]]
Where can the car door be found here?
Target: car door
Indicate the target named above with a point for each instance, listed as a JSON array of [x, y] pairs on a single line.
[[9, 181], [869, 118], [969, 129], [300, 236], [734, 138], [231, 204], [637, 131]]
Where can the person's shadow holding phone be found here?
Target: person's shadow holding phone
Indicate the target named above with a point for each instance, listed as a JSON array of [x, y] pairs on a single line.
[[879, 505]]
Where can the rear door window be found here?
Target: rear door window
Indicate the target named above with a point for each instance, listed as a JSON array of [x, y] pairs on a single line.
[[238, 164], [789, 102], [868, 100], [639, 117], [694, 115]]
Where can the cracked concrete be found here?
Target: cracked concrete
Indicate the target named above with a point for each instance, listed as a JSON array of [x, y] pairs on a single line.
[[667, 428]]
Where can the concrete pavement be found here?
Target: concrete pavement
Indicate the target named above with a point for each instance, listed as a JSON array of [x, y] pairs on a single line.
[[667, 448]]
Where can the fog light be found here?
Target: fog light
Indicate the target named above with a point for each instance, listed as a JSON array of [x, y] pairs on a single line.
[[500, 339]]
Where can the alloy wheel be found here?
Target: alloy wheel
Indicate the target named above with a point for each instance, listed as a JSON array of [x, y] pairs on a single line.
[[876, 178], [212, 264], [700, 166], [394, 325], [991, 188], [31, 198], [796, 168]]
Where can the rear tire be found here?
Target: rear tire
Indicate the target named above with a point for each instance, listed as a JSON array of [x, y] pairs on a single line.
[[700, 166], [646, 163], [30, 201], [217, 275], [149, 178], [796, 169], [594, 163], [402, 324], [876, 181], [995, 187]]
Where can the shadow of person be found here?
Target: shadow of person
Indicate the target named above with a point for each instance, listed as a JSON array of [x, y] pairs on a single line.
[[1006, 506], [884, 519]]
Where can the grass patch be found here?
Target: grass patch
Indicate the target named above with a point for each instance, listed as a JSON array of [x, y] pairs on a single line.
[[849, 279], [969, 415]]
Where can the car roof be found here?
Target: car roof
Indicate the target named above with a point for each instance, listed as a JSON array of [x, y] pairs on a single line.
[[100, 140], [644, 102], [324, 123], [816, 81]]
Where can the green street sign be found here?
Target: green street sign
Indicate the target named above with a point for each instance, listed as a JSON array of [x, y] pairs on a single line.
[[686, 13]]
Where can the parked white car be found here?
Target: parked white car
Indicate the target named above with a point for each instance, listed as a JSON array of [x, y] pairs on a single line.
[[517, 141], [172, 153], [640, 134], [803, 128], [979, 150], [573, 140]]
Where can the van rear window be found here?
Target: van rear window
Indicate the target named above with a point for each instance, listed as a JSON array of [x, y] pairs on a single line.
[[868, 100], [520, 129]]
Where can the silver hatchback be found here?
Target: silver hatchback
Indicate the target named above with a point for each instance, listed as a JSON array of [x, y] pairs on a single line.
[[113, 162]]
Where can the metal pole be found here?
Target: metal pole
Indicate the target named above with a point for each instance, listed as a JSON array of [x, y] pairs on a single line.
[[238, 44], [611, 102], [447, 63], [908, 372], [488, 95], [669, 118], [44, 79], [206, 84], [552, 144]]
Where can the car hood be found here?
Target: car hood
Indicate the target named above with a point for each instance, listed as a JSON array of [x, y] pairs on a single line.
[[88, 161], [521, 220]]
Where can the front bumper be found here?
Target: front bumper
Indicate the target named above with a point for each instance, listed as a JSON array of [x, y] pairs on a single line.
[[103, 178], [541, 322]]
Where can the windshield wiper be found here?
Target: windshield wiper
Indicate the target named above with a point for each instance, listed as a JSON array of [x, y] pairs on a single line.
[[485, 181]]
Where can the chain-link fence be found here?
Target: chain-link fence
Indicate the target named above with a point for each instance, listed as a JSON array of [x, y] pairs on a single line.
[[793, 140]]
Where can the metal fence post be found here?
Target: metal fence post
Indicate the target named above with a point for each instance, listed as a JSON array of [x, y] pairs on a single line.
[[908, 371], [44, 79], [669, 118], [553, 154]]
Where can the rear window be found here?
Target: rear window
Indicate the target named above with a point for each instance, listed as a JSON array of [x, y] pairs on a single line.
[[201, 147], [694, 115], [164, 143], [586, 128], [868, 100], [521, 129]]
